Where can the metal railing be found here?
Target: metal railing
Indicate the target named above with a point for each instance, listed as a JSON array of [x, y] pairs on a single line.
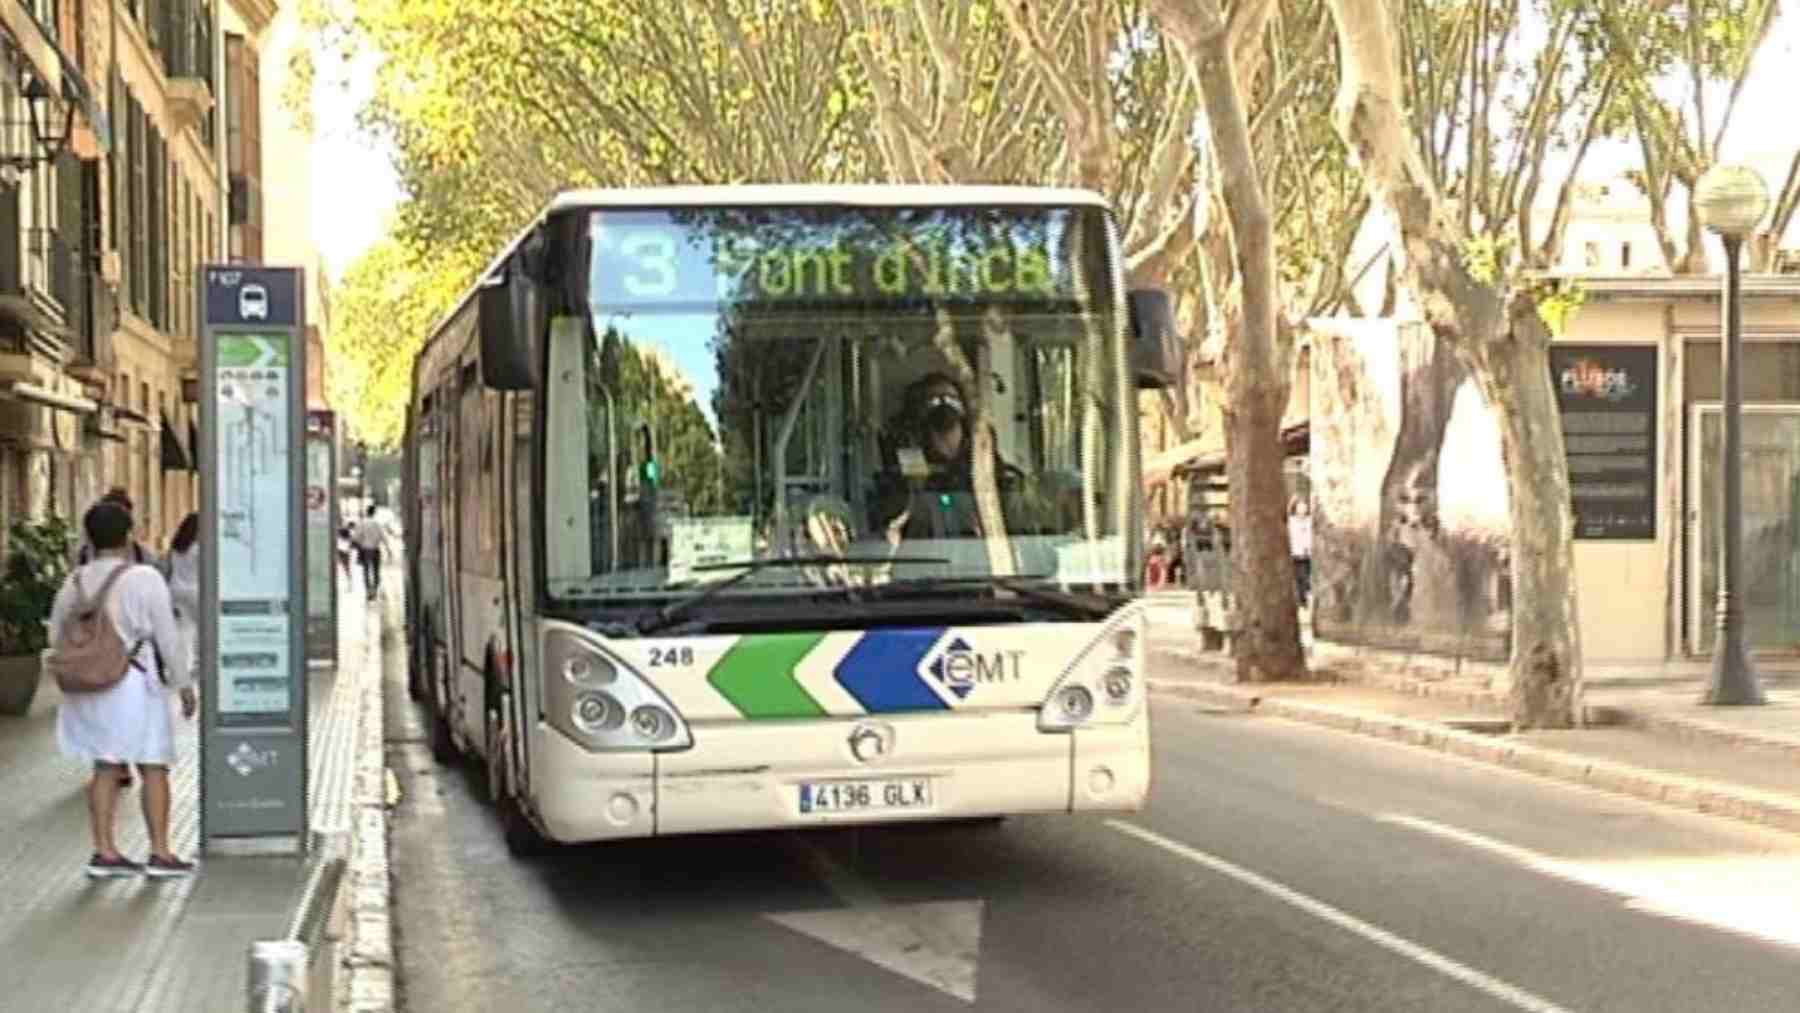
[[281, 973]]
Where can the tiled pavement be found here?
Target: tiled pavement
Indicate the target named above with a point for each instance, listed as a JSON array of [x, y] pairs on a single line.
[[138, 945]]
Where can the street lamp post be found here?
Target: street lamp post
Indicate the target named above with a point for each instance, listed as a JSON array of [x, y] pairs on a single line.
[[1730, 201]]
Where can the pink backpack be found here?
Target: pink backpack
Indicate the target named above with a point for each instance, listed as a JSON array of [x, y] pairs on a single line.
[[88, 655]]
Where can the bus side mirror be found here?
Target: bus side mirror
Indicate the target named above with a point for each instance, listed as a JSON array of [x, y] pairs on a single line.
[[504, 314], [1155, 347]]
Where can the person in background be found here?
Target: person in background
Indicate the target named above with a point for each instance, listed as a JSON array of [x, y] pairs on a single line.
[[345, 543], [371, 537], [1300, 546], [181, 568], [128, 723]]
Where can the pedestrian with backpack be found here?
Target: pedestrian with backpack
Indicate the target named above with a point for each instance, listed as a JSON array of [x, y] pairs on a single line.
[[112, 628]]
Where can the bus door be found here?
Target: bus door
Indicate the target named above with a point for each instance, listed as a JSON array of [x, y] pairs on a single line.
[[429, 508], [519, 530]]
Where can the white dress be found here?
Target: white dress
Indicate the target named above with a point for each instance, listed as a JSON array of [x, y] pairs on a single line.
[[184, 589], [131, 722]]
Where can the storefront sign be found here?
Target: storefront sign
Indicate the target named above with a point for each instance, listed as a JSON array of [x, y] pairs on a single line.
[[1607, 395], [253, 559]]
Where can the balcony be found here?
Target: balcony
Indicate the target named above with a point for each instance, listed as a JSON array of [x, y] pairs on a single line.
[[38, 289], [190, 99]]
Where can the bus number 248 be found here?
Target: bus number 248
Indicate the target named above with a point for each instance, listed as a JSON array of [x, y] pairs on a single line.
[[670, 657]]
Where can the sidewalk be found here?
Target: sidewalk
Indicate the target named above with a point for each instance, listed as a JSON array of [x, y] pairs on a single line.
[[1647, 735], [138, 945]]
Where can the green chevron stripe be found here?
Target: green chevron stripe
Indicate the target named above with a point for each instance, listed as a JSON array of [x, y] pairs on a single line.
[[757, 676]]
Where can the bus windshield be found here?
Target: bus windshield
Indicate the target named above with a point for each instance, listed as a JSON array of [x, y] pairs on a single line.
[[927, 394]]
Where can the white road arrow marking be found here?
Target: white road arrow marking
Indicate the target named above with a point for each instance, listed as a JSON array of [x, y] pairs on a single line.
[[936, 943]]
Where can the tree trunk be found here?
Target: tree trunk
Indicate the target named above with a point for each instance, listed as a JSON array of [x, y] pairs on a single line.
[[1262, 570], [1262, 575], [1546, 659], [1496, 326]]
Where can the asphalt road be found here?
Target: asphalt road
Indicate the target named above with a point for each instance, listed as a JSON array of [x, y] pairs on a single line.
[[1278, 868]]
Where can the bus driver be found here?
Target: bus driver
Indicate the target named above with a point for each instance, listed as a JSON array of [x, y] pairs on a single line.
[[931, 451]]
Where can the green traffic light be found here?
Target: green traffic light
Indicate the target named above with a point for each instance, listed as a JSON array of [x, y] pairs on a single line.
[[652, 471], [943, 499]]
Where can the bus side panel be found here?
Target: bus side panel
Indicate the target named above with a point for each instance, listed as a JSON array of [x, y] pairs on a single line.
[[481, 585]]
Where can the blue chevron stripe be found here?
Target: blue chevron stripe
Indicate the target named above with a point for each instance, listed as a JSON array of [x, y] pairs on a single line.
[[882, 671]]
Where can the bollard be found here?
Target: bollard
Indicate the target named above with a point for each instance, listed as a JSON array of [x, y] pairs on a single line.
[[277, 977]]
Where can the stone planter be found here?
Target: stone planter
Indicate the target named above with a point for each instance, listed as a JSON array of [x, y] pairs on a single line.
[[20, 675]]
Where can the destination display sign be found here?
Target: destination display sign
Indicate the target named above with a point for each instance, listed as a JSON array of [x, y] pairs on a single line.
[[862, 256]]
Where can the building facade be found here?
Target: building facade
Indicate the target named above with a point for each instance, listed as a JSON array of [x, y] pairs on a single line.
[[132, 143]]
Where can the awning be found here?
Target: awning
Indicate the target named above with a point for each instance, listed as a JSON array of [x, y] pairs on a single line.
[[124, 414], [1204, 455], [174, 455], [1161, 466], [19, 390]]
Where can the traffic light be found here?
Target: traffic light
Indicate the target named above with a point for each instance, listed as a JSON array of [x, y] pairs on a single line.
[[651, 469]]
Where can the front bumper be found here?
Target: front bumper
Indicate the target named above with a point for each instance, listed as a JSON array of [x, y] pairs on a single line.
[[747, 775]]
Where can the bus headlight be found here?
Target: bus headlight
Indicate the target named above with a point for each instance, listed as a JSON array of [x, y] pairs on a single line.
[[1117, 685], [1076, 703], [589, 670], [652, 723], [596, 713], [599, 702], [1104, 685]]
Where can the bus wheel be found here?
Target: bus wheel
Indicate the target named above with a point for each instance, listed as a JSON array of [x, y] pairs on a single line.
[[443, 747], [522, 838], [416, 671], [437, 705], [493, 789]]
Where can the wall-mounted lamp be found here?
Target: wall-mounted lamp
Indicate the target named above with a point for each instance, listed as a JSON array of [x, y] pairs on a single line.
[[40, 105]]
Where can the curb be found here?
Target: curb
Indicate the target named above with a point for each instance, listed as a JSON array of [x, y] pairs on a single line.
[[1680, 727], [364, 901], [1649, 785], [1691, 729]]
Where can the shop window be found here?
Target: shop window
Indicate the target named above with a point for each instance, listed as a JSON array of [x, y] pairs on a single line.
[[1771, 371]]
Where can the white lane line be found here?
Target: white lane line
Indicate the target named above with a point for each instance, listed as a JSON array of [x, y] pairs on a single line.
[[1484, 983], [1754, 895]]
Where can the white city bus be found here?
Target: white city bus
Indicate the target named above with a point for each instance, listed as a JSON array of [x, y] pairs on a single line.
[[785, 506]]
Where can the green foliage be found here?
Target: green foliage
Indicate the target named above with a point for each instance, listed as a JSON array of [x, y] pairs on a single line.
[[647, 390], [1486, 256], [492, 106], [37, 563], [1557, 306], [1707, 46], [382, 312]]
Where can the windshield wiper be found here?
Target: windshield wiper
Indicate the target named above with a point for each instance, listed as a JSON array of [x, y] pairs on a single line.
[[673, 612], [1086, 606]]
